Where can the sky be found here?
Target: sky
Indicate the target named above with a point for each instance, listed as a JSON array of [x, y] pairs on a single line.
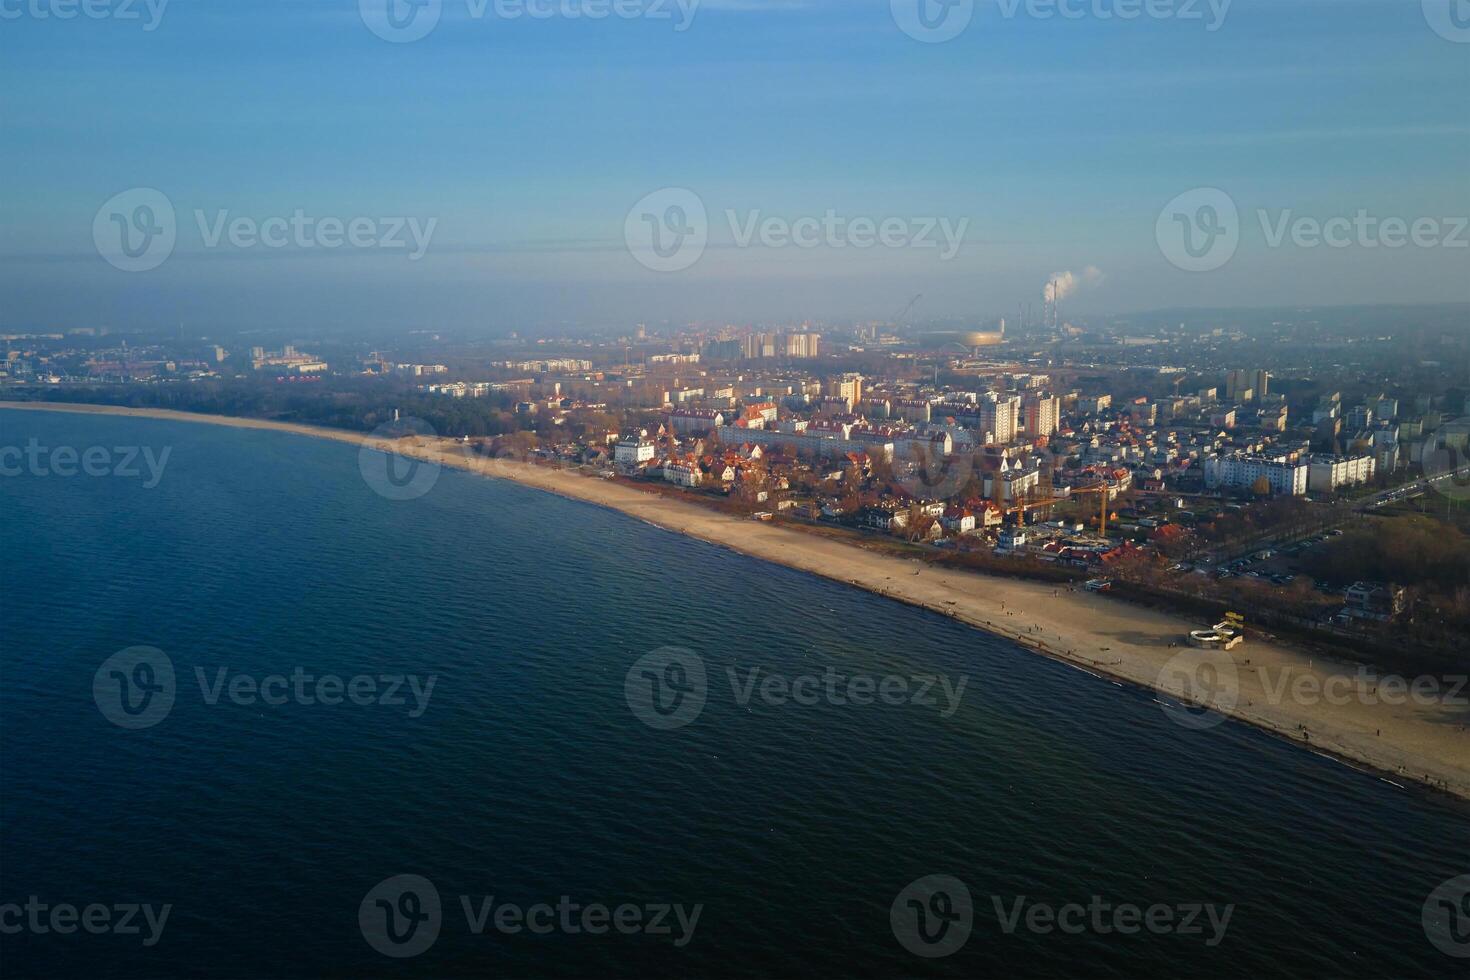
[[202, 161]]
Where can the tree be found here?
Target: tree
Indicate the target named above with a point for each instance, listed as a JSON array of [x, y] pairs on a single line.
[[914, 531], [1173, 541]]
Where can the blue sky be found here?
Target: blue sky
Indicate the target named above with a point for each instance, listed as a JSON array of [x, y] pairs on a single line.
[[527, 141]]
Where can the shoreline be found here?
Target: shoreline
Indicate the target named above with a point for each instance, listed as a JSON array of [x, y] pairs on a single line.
[[1421, 744]]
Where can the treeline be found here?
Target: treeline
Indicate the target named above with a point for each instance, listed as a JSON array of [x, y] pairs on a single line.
[[1276, 516], [1429, 558], [1409, 551], [344, 403]]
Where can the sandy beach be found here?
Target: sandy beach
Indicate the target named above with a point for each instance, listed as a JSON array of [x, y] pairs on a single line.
[[1323, 706]]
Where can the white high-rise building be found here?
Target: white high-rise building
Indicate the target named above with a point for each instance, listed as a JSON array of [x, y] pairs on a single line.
[[1000, 417], [1284, 474], [801, 344], [1327, 473], [1040, 414]]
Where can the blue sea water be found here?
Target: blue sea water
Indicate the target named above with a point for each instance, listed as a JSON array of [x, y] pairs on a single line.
[[527, 777]]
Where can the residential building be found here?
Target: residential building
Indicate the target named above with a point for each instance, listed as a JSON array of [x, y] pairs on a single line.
[[801, 344], [684, 472], [849, 388], [1373, 600], [1245, 386], [820, 443], [1040, 414], [1326, 473], [1000, 417], [633, 453], [687, 420], [1283, 474]]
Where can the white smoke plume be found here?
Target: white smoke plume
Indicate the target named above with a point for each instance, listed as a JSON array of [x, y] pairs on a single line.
[[1064, 284]]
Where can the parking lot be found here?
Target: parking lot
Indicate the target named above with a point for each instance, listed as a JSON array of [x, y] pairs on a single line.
[[1272, 564]]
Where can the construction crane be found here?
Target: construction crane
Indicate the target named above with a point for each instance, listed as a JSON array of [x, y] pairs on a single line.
[[1029, 501], [904, 312], [1103, 490]]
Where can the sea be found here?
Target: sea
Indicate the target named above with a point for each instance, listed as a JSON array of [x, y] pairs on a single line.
[[343, 718]]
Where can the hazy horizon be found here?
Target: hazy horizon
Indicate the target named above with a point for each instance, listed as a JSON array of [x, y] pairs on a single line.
[[519, 157]]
